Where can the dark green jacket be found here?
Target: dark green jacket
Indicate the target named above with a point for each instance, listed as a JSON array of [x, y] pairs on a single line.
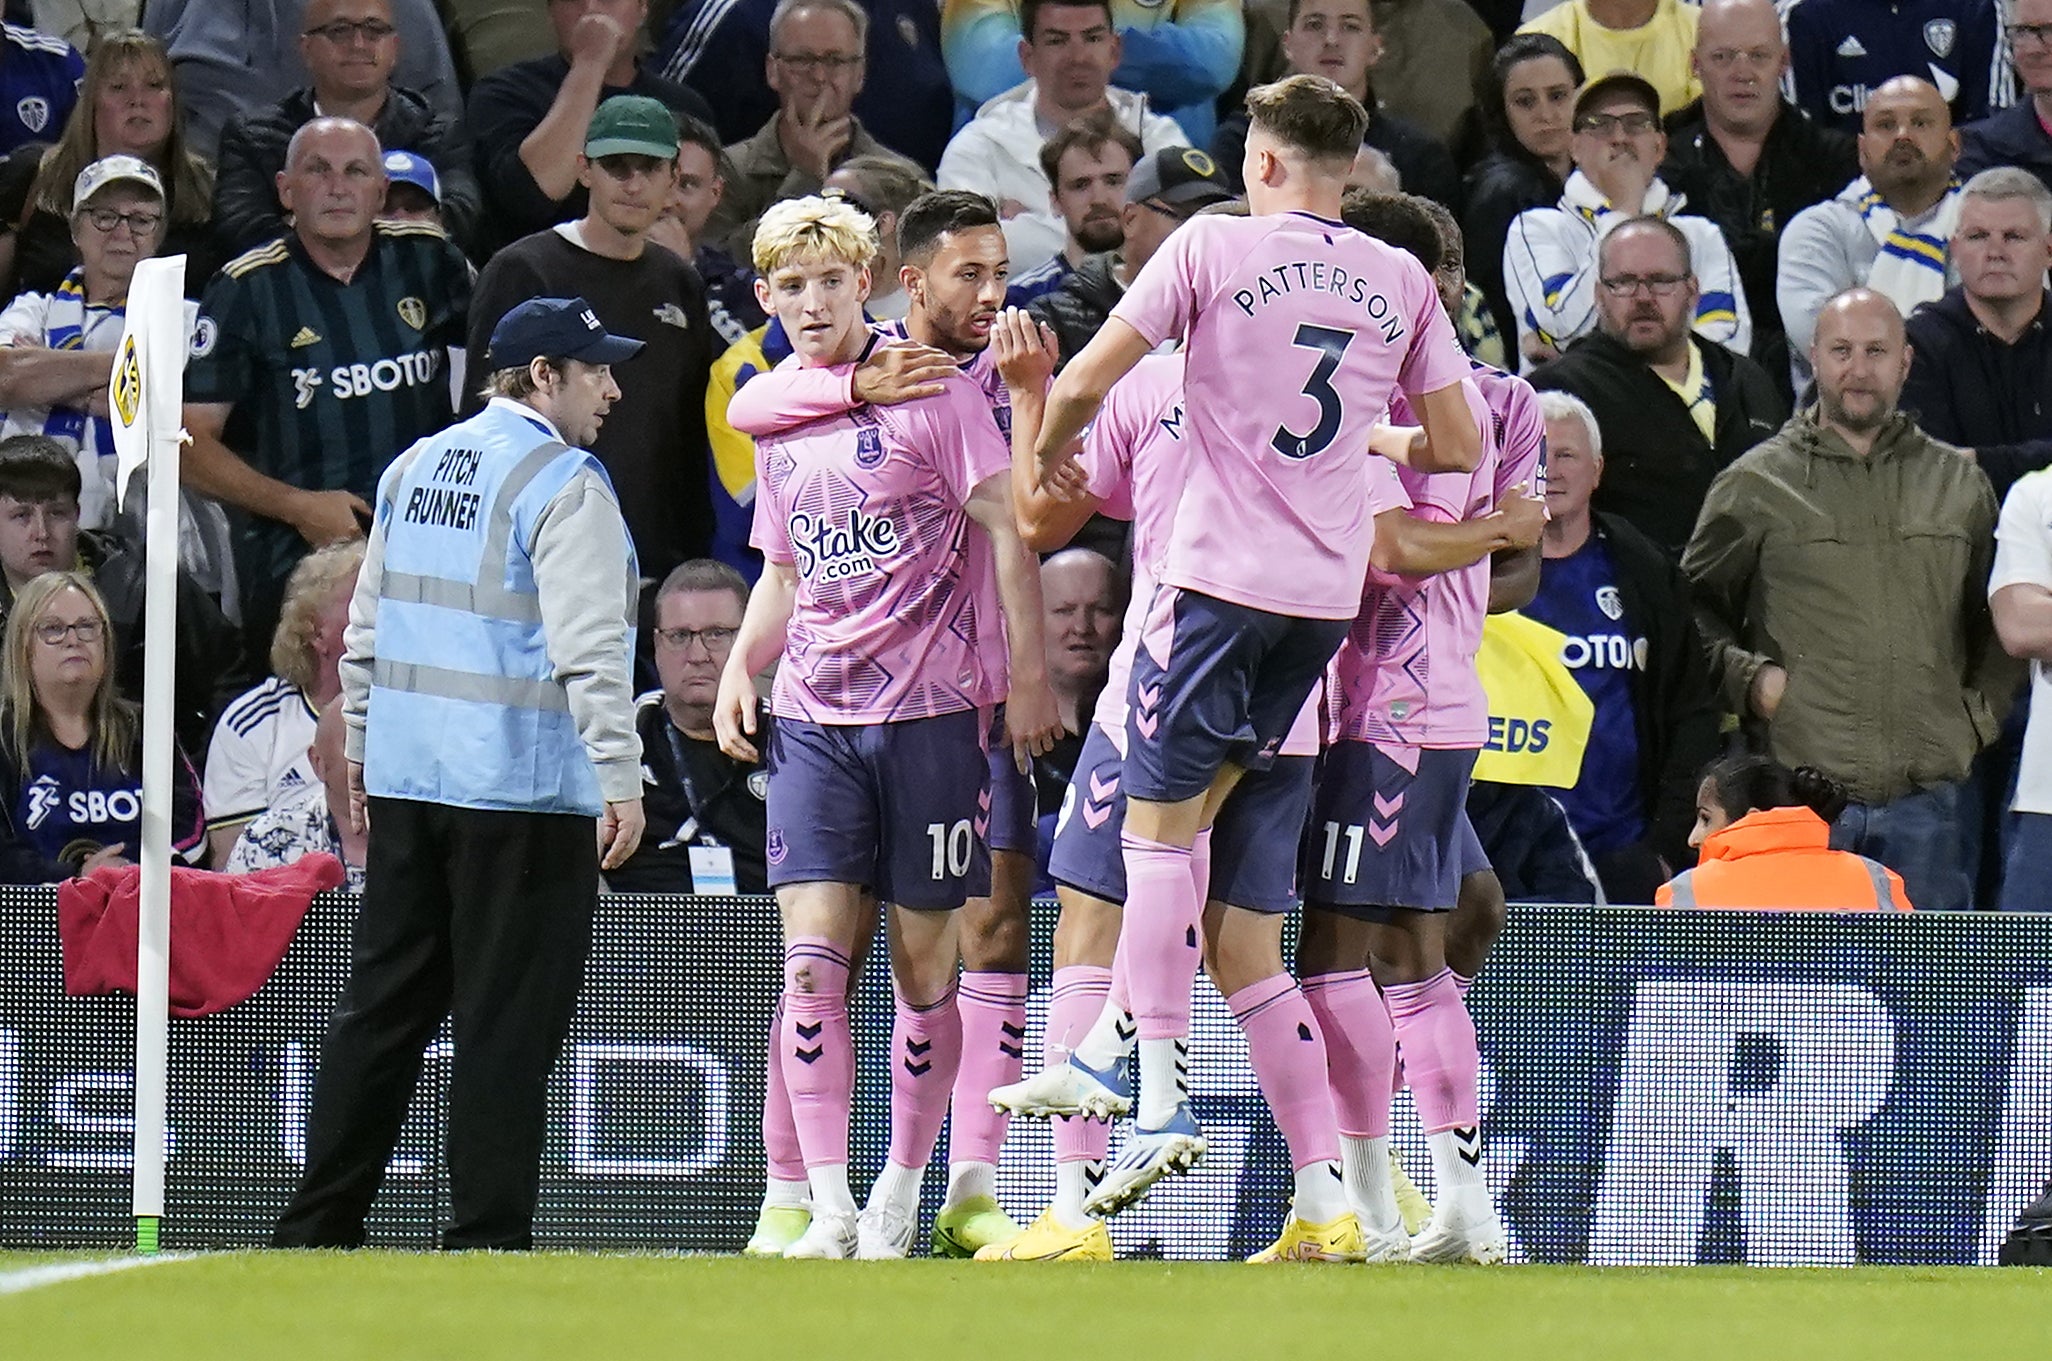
[[1867, 580]]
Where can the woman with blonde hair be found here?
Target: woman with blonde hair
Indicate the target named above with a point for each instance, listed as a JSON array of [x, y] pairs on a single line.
[[128, 105], [70, 747], [258, 752]]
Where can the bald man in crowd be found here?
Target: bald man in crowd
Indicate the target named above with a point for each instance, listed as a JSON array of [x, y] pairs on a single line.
[[1841, 571]]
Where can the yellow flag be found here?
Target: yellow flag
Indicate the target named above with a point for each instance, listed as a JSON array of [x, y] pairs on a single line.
[[1538, 716]]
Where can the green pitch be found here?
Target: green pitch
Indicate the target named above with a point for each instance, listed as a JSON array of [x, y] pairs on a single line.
[[566, 1307]]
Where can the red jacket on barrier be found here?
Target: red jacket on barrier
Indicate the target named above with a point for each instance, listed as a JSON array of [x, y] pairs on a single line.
[[228, 931], [1780, 858]]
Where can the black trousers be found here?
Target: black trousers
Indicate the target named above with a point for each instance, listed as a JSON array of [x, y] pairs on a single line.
[[482, 916]]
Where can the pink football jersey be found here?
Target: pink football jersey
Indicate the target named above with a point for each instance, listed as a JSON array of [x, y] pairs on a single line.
[[896, 612], [1406, 674], [1298, 333], [1135, 456]]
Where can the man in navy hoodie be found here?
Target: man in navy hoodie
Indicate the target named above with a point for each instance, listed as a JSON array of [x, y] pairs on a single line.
[[1981, 357]]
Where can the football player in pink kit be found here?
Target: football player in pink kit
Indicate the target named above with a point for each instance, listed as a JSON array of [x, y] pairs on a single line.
[[954, 270], [1298, 330], [1133, 459], [880, 601], [1390, 844]]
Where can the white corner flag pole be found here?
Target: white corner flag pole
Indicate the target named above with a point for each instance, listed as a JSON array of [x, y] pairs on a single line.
[[144, 400]]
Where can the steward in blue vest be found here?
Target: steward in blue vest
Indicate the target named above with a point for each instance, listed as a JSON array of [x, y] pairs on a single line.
[[488, 703]]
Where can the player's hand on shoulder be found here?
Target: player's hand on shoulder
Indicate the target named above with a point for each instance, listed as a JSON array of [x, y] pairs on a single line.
[[901, 371], [734, 717], [1033, 722], [1026, 350]]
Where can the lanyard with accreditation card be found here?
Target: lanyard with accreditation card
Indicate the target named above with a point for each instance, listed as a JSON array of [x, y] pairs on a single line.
[[712, 862]]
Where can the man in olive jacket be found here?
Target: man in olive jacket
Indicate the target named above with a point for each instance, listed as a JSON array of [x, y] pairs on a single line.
[[1840, 573]]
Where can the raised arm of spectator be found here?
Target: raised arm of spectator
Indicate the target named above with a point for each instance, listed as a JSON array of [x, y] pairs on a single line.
[[533, 167], [980, 44], [1189, 60]]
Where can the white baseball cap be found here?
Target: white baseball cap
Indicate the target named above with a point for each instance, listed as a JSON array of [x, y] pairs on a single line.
[[112, 170]]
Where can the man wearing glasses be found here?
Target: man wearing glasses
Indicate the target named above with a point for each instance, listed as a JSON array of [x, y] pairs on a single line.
[[351, 48], [1549, 257], [707, 824], [2017, 136], [816, 68], [1673, 407]]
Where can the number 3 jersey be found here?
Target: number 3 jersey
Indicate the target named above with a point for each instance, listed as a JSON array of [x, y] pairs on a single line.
[[1134, 457], [1297, 331], [897, 614]]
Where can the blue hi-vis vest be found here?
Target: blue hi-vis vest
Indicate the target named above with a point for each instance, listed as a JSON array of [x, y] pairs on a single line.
[[465, 708]]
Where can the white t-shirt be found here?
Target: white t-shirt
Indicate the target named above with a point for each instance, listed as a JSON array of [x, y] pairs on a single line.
[[258, 753], [2023, 554]]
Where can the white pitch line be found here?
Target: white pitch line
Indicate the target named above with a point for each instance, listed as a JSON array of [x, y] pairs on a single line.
[[56, 1273]]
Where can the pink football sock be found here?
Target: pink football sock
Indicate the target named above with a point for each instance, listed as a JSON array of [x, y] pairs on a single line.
[[1078, 997], [1289, 1061], [1441, 1061], [1360, 1046], [815, 1049], [1159, 939], [785, 1159], [926, 1053], [993, 1018]]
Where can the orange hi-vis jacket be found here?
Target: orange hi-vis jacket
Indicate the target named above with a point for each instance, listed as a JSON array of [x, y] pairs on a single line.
[[1780, 859]]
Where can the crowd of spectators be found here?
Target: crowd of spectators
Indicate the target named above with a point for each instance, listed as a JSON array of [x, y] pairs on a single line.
[[1780, 272]]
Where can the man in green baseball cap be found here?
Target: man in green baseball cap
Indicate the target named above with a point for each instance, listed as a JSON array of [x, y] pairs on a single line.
[[653, 442], [631, 125]]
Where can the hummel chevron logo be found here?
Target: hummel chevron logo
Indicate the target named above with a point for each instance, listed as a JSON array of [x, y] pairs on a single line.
[[1388, 808], [916, 1048], [1095, 814], [1017, 1032], [1381, 833], [1304, 1033], [809, 1056], [1468, 1143], [919, 1069], [1011, 1051], [1145, 719], [1102, 790], [1125, 1030], [809, 1032]]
